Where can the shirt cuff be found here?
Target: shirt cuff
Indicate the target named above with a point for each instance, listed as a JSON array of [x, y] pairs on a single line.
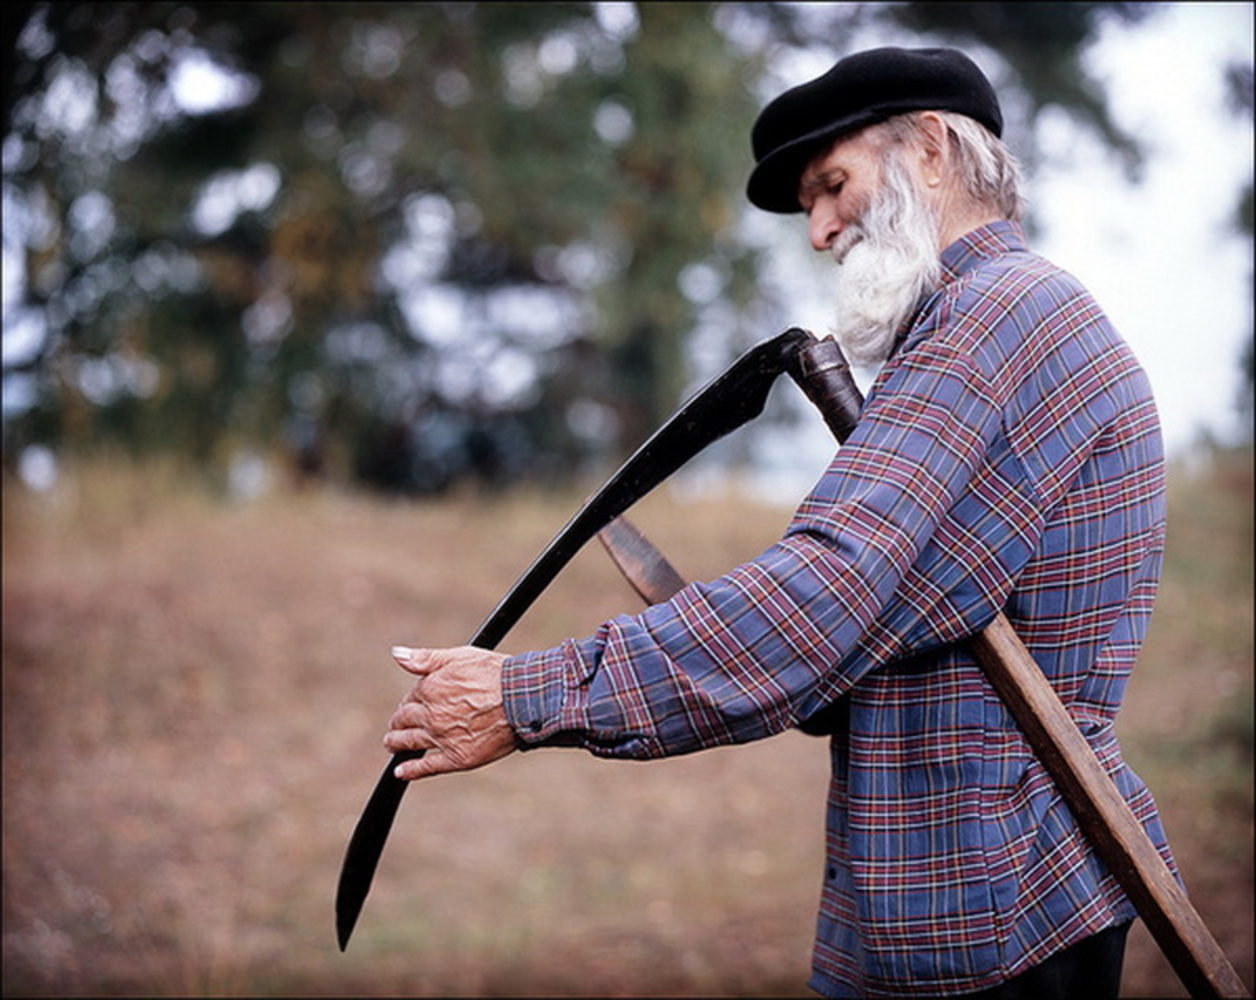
[[533, 694]]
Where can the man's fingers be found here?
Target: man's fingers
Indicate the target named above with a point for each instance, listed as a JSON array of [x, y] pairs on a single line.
[[404, 737], [454, 711], [432, 762]]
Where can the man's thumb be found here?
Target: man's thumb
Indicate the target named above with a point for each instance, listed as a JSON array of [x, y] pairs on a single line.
[[416, 661]]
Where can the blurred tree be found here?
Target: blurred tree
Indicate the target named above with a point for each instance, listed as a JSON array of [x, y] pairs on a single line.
[[411, 242], [1042, 45], [1242, 97]]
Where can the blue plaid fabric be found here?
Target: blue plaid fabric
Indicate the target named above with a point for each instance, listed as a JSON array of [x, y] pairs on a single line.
[[1008, 458]]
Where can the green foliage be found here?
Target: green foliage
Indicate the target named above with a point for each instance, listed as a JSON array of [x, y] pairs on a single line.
[[1240, 90], [406, 242], [1044, 44]]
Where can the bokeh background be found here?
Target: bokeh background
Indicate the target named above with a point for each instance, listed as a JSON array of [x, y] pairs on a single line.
[[320, 319]]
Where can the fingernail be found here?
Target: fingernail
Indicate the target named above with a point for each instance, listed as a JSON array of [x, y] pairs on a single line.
[[403, 652]]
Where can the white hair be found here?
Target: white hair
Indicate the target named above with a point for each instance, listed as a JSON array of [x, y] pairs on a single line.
[[889, 256], [889, 263], [988, 172]]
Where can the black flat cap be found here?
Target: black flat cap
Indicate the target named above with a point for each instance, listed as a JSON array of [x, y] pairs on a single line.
[[860, 90]]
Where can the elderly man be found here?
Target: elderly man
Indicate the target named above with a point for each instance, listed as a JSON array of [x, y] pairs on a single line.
[[1008, 459]]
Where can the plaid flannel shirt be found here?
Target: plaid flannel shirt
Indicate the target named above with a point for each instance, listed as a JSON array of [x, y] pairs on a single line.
[[1008, 458]]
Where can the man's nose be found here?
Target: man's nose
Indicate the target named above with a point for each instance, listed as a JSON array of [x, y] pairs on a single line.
[[823, 227]]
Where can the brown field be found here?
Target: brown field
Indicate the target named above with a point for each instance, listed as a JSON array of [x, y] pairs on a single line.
[[194, 694]]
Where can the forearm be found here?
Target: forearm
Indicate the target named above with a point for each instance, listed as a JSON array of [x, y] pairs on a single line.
[[768, 644], [733, 660]]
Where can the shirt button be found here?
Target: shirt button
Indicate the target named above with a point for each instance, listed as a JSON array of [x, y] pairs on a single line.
[[832, 873]]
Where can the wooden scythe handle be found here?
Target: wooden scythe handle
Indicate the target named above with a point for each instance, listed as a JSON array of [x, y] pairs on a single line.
[[1103, 814]]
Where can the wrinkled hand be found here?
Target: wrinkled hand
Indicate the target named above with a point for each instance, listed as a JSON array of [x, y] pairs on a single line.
[[454, 712]]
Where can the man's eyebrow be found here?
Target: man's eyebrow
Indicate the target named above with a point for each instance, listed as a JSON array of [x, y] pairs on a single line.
[[821, 180]]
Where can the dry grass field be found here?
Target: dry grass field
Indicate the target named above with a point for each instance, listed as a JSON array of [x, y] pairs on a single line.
[[194, 694]]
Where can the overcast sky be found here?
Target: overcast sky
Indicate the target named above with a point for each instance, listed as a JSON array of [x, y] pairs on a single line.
[[1162, 257]]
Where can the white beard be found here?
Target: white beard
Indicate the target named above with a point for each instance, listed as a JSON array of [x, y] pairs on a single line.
[[888, 263]]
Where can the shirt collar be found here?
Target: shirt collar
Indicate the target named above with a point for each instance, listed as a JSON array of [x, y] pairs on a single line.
[[979, 245], [973, 248]]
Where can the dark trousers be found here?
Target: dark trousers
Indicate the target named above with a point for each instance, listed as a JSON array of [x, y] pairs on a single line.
[[1089, 970]]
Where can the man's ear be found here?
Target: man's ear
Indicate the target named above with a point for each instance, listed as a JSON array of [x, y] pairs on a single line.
[[934, 147]]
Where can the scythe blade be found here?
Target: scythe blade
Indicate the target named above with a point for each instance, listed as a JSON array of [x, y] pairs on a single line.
[[730, 400]]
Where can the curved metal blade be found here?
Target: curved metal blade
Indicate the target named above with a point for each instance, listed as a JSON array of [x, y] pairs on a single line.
[[646, 568], [732, 399]]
